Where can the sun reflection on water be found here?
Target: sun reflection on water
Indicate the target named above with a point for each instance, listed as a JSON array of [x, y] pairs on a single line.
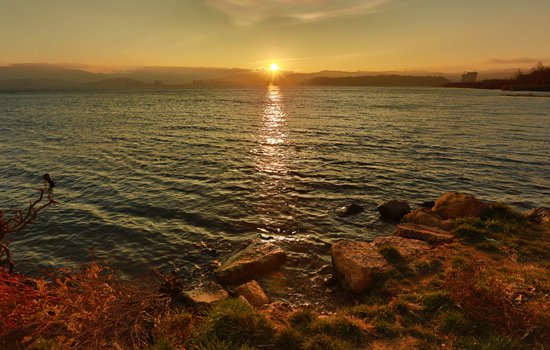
[[272, 154]]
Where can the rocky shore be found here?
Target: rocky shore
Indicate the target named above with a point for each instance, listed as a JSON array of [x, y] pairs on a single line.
[[427, 241], [457, 273]]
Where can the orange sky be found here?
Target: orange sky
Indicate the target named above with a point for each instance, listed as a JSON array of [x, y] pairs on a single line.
[[301, 35]]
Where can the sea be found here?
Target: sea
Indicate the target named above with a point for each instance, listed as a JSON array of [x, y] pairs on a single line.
[[174, 180]]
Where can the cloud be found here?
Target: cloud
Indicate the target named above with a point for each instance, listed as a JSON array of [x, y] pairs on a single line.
[[520, 60], [248, 12]]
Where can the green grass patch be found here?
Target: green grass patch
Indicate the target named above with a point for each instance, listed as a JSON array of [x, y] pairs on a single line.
[[436, 301], [326, 342], [454, 321], [237, 323], [502, 227], [493, 342]]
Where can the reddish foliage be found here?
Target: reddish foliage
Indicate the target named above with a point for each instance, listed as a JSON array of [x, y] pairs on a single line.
[[80, 309]]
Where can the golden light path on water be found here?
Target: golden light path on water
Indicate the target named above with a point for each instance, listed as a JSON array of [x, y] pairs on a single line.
[[272, 157], [273, 134]]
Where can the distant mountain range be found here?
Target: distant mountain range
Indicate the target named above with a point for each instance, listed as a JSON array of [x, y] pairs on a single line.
[[25, 77]]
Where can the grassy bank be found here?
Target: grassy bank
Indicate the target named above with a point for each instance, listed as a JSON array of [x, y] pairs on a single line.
[[487, 290]]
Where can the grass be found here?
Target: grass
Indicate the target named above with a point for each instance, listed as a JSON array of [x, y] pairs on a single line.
[[501, 228], [237, 323]]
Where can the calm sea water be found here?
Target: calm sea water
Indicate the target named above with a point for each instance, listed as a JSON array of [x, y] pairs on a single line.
[[176, 179]]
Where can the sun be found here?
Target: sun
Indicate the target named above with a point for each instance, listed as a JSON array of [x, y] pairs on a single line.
[[274, 67]]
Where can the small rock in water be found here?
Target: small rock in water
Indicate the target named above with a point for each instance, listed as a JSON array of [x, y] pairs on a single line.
[[394, 210], [349, 209]]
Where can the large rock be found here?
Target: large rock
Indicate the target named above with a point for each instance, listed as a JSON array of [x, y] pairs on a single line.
[[539, 215], [205, 296], [454, 205], [394, 210], [423, 233], [355, 263], [253, 293], [256, 259], [349, 209], [426, 217], [406, 247]]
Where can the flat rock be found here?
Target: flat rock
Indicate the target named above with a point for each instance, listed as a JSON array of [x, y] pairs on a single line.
[[424, 233], [539, 215], [454, 205], [257, 259], [407, 247], [205, 296], [394, 210], [427, 217], [355, 263], [253, 293]]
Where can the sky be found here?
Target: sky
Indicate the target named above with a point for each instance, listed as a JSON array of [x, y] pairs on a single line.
[[299, 35]]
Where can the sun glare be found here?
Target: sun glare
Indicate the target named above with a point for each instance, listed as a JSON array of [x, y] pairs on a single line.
[[274, 67]]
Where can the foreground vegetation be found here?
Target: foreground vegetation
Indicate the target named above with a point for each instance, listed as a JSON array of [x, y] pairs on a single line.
[[487, 290]]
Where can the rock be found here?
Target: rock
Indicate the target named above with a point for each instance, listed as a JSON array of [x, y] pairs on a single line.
[[539, 215], [355, 263], [426, 217], [423, 233], [256, 259], [454, 205], [394, 210], [253, 293], [406, 247], [349, 209], [427, 204], [205, 296]]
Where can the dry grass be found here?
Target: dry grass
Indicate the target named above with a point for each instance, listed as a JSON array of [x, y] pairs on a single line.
[[85, 309]]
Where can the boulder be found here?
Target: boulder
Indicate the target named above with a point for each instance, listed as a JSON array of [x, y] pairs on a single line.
[[355, 263], [423, 233], [349, 209], [539, 215], [426, 217], [256, 259], [205, 296], [394, 210], [454, 205], [253, 293]]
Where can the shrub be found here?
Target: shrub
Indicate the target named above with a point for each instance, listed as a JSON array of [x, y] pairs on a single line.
[[87, 307]]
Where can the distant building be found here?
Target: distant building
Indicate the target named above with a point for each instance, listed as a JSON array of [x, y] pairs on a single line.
[[469, 77]]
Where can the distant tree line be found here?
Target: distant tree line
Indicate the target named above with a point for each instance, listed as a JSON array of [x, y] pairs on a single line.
[[538, 79]]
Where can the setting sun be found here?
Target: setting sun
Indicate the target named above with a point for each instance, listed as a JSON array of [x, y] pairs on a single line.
[[274, 67]]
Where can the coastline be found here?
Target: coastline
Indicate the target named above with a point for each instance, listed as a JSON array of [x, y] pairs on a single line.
[[460, 272]]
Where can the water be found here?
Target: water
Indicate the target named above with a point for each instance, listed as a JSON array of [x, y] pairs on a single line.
[[177, 179]]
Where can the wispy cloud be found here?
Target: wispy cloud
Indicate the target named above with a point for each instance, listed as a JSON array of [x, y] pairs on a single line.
[[247, 12]]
